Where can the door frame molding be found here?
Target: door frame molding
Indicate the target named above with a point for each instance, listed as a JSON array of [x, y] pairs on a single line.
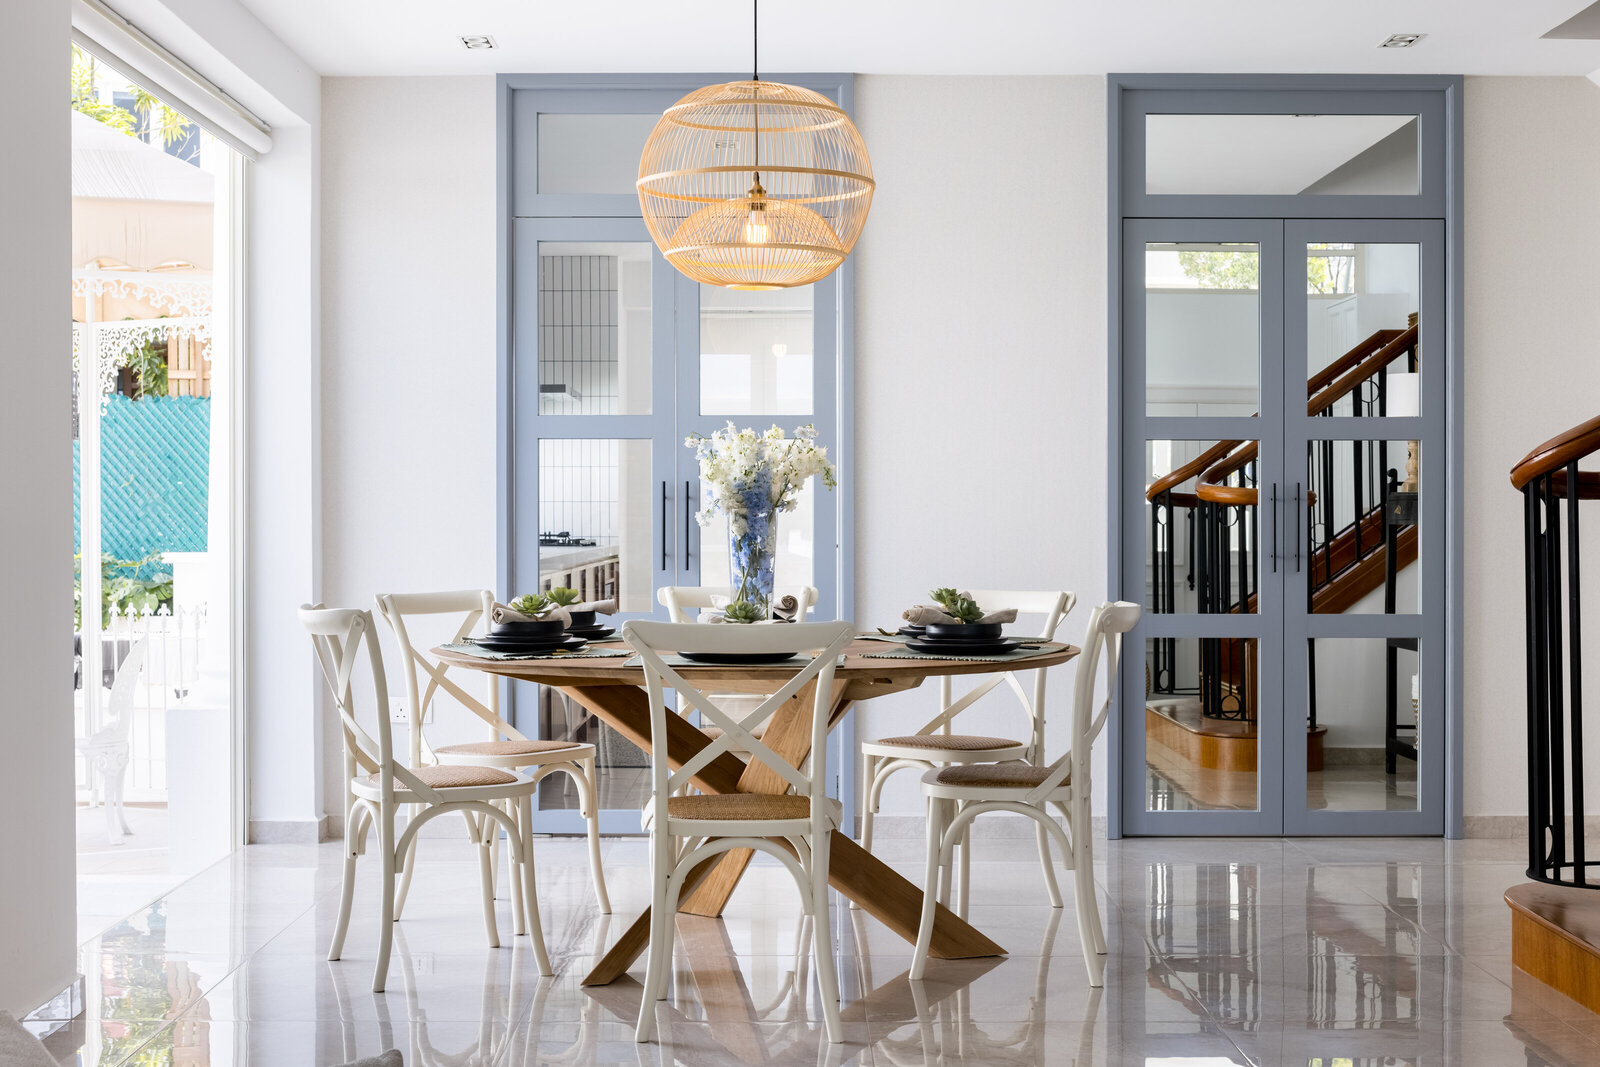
[[1438, 101]]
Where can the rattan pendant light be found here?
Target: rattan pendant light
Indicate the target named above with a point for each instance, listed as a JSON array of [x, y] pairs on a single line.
[[755, 185]]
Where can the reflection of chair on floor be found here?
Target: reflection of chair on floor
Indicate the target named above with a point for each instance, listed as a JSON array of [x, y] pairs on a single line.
[[958, 794], [106, 750]]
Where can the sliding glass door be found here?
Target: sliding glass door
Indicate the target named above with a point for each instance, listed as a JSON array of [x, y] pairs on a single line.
[[1278, 526]]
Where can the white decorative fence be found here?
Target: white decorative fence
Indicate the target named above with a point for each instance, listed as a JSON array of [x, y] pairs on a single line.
[[171, 667]]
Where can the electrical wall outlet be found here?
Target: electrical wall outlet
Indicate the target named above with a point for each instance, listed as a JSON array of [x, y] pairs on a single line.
[[400, 714]]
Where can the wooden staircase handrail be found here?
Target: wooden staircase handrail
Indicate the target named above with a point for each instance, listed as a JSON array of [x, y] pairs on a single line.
[[1210, 486], [1369, 366], [1562, 449], [1320, 380], [1190, 469]]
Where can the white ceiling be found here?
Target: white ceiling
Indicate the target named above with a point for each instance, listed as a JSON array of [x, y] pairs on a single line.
[[398, 37]]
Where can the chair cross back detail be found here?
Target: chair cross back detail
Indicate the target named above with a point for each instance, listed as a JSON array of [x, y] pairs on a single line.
[[1106, 626], [831, 638], [338, 634], [474, 604]]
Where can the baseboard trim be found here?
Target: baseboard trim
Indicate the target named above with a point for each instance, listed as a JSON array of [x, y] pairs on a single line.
[[58, 1012], [290, 831], [1504, 827]]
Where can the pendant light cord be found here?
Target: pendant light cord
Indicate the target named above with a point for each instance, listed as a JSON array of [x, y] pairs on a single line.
[[755, 76]]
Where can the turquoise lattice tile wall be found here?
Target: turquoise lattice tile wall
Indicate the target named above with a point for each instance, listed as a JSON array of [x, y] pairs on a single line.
[[156, 459]]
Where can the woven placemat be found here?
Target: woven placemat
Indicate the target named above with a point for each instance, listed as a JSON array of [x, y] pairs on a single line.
[[1004, 657], [466, 649]]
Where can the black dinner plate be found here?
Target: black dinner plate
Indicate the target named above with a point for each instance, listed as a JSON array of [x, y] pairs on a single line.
[[591, 633], [740, 658], [911, 631], [965, 648], [565, 642]]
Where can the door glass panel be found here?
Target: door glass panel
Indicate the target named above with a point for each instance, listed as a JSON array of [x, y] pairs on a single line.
[[1201, 710], [1281, 155], [755, 351], [594, 328], [1202, 527], [1364, 695], [1202, 329], [796, 546], [595, 530], [1362, 308], [1363, 502], [591, 153]]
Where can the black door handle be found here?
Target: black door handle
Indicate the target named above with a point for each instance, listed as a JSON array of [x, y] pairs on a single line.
[[1297, 527], [1274, 527], [666, 503], [688, 517]]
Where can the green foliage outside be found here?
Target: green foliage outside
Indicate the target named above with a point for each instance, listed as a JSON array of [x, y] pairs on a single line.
[[156, 116], [122, 588], [149, 367], [1242, 270]]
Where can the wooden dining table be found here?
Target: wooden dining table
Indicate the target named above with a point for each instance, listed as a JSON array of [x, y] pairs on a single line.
[[613, 690]]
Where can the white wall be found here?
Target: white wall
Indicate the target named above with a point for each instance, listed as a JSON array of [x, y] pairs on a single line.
[[408, 327], [37, 899], [980, 361], [1533, 370]]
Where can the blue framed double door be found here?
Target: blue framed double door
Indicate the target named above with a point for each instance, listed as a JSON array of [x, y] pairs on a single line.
[[616, 359], [1283, 506]]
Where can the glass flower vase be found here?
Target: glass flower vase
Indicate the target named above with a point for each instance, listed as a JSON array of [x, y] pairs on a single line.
[[752, 558]]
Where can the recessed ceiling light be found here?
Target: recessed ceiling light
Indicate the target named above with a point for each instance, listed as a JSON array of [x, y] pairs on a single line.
[[1400, 40], [477, 42]]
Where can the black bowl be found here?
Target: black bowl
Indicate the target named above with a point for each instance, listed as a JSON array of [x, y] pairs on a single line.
[[967, 630], [581, 620], [538, 627]]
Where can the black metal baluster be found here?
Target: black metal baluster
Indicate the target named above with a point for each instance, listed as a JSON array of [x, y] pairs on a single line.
[[1538, 663], [1575, 677], [1557, 736]]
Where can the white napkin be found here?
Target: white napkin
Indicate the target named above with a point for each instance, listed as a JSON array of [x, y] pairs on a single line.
[[599, 607], [500, 614], [923, 614], [786, 608]]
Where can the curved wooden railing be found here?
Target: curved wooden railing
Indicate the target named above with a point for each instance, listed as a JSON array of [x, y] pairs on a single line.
[[1553, 548], [1320, 380], [1557, 453], [1212, 485], [1169, 482], [1369, 367]]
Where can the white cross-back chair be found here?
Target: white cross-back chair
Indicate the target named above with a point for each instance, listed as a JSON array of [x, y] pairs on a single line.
[[505, 748], [684, 604], [686, 830], [107, 749], [377, 785], [936, 744], [960, 793]]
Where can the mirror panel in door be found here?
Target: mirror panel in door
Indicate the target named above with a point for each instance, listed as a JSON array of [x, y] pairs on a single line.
[[1362, 307], [1202, 328], [594, 327], [1201, 710], [755, 351], [1365, 692], [1203, 550], [1363, 501], [1281, 155], [595, 513]]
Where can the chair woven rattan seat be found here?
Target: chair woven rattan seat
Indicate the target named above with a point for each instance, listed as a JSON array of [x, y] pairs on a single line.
[[737, 806], [456, 776], [998, 775], [506, 748], [951, 742]]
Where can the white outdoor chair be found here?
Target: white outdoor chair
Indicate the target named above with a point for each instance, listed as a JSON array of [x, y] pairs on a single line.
[[686, 830], [506, 748], [377, 785], [106, 750], [960, 793], [934, 744]]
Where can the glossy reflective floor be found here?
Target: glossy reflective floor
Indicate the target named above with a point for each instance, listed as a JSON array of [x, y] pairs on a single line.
[[1312, 953]]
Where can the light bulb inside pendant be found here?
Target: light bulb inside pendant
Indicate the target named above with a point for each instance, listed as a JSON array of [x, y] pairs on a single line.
[[755, 226]]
